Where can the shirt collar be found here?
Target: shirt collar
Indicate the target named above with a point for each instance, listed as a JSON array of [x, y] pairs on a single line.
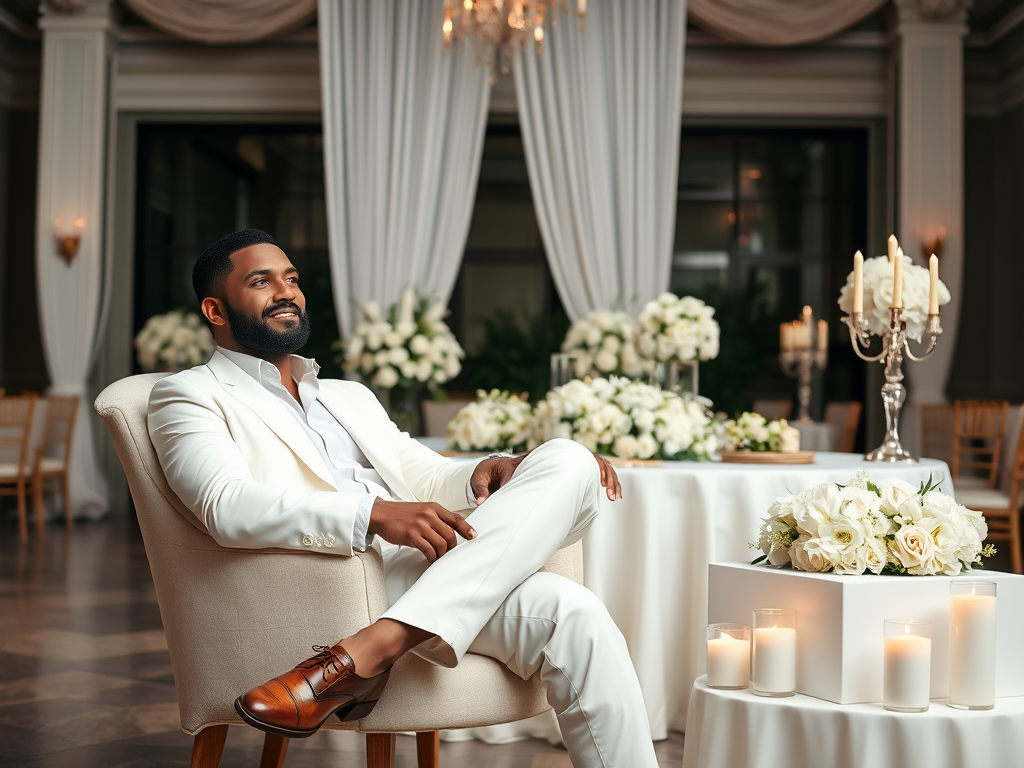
[[262, 371]]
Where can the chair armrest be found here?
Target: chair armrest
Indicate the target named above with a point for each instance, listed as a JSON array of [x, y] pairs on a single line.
[[567, 562]]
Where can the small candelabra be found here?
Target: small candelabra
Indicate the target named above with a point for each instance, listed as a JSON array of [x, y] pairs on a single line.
[[800, 364], [798, 359], [894, 345]]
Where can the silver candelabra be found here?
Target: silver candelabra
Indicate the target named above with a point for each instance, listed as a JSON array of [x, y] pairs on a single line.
[[800, 364], [894, 344]]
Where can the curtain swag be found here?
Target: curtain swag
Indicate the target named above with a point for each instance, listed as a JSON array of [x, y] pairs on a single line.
[[779, 22], [224, 21]]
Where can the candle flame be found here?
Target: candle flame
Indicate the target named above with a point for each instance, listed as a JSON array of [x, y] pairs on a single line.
[[906, 628]]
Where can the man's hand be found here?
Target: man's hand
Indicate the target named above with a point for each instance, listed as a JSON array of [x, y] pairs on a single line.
[[492, 474], [427, 526]]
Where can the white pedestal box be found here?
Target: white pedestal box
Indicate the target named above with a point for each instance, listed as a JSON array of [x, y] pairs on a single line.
[[840, 643]]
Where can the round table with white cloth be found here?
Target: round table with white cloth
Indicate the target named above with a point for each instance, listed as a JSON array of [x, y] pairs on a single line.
[[646, 557], [740, 730], [816, 435]]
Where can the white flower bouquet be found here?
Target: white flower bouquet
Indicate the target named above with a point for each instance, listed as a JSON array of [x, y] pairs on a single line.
[[878, 295], [173, 342], [672, 328], [753, 432], [602, 345], [497, 421], [411, 347], [891, 527], [628, 419]]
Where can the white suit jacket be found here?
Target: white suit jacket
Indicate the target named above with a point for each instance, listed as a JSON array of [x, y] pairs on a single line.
[[252, 477]]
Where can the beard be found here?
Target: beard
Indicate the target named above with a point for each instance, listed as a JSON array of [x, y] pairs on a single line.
[[255, 334]]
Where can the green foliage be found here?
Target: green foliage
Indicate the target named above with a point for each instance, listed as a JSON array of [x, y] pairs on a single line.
[[516, 355], [748, 347]]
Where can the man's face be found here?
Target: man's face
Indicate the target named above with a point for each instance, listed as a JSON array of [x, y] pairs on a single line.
[[266, 311]]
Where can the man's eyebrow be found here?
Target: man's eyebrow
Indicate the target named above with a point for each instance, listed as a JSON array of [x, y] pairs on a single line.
[[290, 270]]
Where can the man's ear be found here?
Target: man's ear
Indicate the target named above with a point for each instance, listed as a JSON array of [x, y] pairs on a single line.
[[214, 311]]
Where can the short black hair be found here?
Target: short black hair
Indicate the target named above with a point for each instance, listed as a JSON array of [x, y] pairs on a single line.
[[214, 264]]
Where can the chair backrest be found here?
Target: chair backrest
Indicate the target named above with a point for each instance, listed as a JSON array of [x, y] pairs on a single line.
[[437, 415], [59, 426], [978, 427], [844, 419], [15, 431], [773, 409], [1011, 469], [937, 431]]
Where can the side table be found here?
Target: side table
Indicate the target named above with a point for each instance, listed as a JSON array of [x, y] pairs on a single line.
[[736, 729]]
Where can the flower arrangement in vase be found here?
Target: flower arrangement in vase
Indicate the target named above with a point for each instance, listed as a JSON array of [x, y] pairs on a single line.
[[601, 344], [173, 341], [497, 421], [753, 432]]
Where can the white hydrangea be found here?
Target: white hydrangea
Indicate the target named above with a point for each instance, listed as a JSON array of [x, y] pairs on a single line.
[[878, 295], [602, 345], [497, 421], [628, 419], [862, 527], [672, 328], [411, 347], [173, 342]]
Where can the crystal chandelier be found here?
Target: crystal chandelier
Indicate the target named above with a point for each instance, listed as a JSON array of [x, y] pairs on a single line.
[[501, 27]]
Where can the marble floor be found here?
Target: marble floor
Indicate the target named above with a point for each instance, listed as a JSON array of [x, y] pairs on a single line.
[[85, 680]]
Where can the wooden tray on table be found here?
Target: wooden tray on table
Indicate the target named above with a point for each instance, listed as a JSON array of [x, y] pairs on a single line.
[[767, 457]]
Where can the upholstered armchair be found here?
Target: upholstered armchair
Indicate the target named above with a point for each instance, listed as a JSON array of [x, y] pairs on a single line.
[[235, 618]]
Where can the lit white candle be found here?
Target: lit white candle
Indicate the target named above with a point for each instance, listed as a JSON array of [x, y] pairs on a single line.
[[892, 245], [907, 677], [972, 650], [897, 281], [858, 282], [774, 666], [728, 662], [933, 285]]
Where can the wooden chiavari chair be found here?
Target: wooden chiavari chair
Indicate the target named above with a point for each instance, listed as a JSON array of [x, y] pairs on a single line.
[[53, 457], [978, 427], [15, 473], [844, 418]]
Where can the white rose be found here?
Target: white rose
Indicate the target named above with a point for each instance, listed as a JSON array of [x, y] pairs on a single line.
[[606, 361], [893, 493], [625, 447], [915, 548], [386, 377], [398, 355], [807, 559], [789, 441]]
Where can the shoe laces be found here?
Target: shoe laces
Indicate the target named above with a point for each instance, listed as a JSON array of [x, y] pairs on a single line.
[[329, 658]]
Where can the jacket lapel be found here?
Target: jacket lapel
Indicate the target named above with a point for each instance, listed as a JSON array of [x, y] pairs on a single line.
[[271, 411], [382, 457]]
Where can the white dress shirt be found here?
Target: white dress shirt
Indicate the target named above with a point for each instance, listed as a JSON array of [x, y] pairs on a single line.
[[349, 468]]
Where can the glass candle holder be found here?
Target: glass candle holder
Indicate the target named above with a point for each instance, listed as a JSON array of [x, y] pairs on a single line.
[[774, 652], [906, 682], [728, 656], [972, 644]]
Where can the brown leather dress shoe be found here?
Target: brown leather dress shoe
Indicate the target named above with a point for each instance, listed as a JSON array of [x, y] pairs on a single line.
[[298, 702]]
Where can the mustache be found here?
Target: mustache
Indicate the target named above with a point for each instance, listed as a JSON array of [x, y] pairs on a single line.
[[282, 305]]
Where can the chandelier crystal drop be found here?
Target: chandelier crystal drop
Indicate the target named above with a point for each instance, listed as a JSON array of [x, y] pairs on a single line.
[[500, 27]]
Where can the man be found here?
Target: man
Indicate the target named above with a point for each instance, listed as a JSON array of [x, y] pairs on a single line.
[[267, 455]]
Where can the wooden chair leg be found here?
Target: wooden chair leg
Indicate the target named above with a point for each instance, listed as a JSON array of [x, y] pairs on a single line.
[[68, 518], [1015, 553], [380, 750], [428, 749], [37, 505], [274, 749], [208, 746], [22, 513]]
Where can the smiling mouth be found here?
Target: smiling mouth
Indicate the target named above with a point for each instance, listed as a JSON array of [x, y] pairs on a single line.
[[284, 314]]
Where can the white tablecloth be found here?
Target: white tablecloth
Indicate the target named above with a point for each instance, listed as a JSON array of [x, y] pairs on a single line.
[[817, 436], [647, 558], [740, 730]]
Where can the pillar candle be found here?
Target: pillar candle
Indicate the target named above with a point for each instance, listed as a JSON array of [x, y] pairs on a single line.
[[897, 282], [858, 282], [822, 334], [933, 285], [972, 650], [907, 676], [892, 244], [728, 662], [774, 668]]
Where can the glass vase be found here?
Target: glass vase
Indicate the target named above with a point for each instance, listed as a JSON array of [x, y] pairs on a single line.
[[404, 409]]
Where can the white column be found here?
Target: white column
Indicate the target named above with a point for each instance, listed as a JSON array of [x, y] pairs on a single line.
[[929, 172], [72, 149]]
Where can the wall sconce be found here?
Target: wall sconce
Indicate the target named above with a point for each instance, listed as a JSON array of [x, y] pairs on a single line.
[[68, 240], [928, 247]]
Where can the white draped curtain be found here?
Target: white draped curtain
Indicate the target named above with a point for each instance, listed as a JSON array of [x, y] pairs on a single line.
[[403, 124], [600, 113], [780, 22], [224, 21]]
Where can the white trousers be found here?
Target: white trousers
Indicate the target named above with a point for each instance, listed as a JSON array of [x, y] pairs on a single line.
[[486, 596]]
